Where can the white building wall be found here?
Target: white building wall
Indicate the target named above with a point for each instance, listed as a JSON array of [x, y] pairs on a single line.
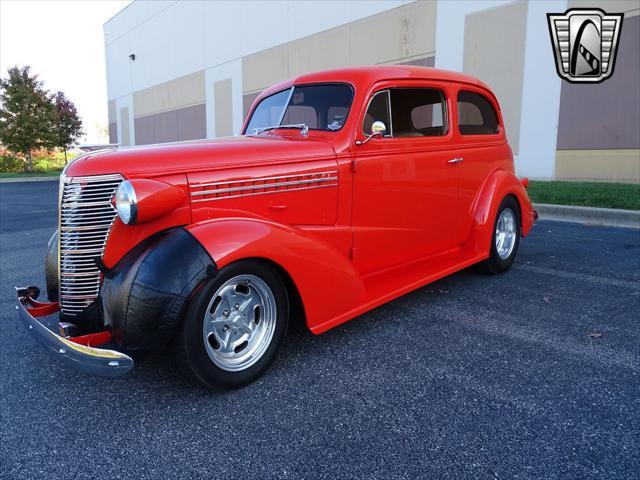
[[450, 29], [540, 96], [171, 39]]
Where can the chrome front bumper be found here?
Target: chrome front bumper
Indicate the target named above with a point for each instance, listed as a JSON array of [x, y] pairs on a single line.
[[75, 352]]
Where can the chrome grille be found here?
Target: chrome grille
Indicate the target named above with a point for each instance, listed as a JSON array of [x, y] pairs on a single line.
[[86, 216]]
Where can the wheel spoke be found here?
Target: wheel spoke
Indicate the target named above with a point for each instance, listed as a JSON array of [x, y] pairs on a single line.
[[247, 328], [225, 343], [249, 305], [214, 325]]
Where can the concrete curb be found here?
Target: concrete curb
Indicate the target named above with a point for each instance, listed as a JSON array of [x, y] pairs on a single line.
[[29, 179], [611, 217]]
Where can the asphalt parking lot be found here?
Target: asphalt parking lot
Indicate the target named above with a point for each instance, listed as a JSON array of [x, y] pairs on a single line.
[[533, 374]]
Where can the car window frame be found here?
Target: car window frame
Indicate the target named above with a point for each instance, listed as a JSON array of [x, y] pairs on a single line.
[[390, 113], [291, 89], [445, 101], [492, 102]]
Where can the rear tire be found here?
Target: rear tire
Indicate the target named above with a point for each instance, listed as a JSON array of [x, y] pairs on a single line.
[[234, 326], [505, 238]]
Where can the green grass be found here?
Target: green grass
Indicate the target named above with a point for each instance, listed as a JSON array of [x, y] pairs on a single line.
[[604, 195]]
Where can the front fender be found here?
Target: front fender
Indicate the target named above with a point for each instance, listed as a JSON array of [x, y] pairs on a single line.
[[144, 296], [326, 281], [485, 205]]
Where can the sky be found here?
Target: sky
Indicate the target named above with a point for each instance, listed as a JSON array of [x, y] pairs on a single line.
[[63, 43]]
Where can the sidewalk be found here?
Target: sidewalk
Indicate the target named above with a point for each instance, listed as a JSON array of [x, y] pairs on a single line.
[[611, 217], [30, 179]]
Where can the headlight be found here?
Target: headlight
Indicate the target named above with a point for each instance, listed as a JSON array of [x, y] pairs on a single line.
[[126, 203]]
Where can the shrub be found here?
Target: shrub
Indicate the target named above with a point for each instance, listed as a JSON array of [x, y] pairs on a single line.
[[10, 164], [43, 161]]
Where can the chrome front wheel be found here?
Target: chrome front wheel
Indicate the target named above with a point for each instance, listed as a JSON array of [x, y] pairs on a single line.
[[239, 322], [234, 325]]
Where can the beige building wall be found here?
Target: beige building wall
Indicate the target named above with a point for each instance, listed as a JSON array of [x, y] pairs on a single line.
[[171, 111], [620, 165], [494, 43], [179, 93], [399, 35]]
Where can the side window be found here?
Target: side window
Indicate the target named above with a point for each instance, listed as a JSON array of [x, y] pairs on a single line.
[[378, 110], [418, 112], [476, 115]]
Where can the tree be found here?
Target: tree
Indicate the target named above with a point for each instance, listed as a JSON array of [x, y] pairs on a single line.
[[27, 114], [68, 126]]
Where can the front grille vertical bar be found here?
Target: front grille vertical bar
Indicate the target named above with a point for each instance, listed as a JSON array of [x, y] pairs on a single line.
[[84, 221]]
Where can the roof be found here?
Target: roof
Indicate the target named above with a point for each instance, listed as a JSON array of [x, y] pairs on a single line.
[[376, 73]]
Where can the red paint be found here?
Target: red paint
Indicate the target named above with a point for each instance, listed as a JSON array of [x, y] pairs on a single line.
[[156, 198], [124, 237], [372, 222], [41, 309], [93, 339]]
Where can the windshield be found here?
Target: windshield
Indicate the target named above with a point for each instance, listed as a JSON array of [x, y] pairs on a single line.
[[319, 107]]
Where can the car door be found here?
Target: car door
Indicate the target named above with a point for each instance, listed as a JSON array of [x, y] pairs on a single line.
[[482, 148], [404, 182]]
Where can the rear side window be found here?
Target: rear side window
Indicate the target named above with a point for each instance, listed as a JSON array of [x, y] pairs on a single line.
[[476, 115]]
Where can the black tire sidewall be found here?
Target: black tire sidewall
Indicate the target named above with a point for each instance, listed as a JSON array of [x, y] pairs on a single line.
[[498, 264], [193, 345]]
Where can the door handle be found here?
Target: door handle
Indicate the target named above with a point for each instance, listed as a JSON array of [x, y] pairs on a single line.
[[456, 160]]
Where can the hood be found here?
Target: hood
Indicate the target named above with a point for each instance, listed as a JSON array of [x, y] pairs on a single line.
[[201, 155]]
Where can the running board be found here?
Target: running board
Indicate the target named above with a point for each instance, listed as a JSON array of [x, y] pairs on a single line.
[[385, 286]]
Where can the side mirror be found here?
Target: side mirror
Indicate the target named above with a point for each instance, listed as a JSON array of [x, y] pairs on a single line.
[[378, 127], [378, 130]]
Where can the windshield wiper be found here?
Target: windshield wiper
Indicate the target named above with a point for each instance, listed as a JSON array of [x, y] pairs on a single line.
[[304, 128]]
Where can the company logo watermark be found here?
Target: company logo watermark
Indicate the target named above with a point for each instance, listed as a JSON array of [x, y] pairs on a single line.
[[585, 43]]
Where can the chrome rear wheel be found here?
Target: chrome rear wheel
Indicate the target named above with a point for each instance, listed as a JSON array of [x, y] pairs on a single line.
[[505, 238]]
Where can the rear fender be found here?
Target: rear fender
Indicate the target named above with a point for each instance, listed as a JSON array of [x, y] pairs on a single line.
[[327, 283], [485, 206]]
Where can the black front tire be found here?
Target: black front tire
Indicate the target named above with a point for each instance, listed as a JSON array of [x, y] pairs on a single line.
[[190, 347], [495, 264]]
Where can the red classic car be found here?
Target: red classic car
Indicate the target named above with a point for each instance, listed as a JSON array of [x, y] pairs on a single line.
[[347, 189]]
